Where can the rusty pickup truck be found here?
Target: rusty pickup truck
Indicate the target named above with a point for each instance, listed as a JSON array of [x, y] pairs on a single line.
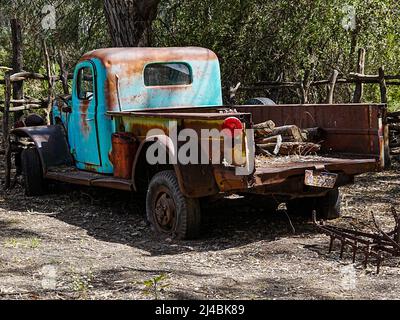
[[125, 101]]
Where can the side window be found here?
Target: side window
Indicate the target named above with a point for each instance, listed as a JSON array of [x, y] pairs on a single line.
[[167, 74], [85, 84]]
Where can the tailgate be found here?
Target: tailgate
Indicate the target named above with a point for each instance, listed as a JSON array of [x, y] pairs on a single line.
[[271, 171]]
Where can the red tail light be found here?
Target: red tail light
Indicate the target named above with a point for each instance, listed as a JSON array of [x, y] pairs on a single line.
[[233, 125]]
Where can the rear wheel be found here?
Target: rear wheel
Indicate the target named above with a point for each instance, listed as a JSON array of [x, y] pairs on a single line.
[[169, 211], [34, 183], [326, 207]]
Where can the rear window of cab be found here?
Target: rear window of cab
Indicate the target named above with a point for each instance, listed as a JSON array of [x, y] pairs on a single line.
[[167, 74]]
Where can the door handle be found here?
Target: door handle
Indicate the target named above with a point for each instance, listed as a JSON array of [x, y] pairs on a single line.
[[89, 120]]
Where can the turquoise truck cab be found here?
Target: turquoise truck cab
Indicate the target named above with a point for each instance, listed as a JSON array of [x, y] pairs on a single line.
[[132, 79]]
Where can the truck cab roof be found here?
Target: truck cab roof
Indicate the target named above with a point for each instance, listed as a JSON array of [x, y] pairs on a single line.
[[113, 56], [147, 78]]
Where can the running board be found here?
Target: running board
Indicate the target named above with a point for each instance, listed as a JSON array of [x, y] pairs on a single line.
[[89, 179]]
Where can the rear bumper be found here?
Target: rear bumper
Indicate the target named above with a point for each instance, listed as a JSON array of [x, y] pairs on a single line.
[[288, 178], [280, 173]]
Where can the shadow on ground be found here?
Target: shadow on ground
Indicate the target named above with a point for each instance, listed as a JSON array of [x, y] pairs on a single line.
[[119, 217]]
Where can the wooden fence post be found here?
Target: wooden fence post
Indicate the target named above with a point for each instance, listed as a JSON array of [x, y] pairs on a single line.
[[384, 99], [51, 82], [305, 86], [360, 70], [63, 73], [332, 85], [382, 85], [6, 127]]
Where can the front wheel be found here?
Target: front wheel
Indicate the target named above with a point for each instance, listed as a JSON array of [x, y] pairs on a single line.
[[169, 211], [34, 183]]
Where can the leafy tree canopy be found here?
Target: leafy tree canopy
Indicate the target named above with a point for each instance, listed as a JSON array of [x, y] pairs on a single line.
[[255, 39]]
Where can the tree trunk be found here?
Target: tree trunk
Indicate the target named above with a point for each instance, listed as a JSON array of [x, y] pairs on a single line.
[[130, 21], [17, 63]]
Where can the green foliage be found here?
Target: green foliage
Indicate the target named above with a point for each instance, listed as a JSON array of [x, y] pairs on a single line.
[[156, 285], [284, 39], [80, 27], [82, 284], [28, 243], [256, 40]]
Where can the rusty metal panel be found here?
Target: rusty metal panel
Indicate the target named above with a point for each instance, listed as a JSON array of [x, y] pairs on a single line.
[[348, 128], [75, 176], [197, 180], [113, 183], [274, 173], [294, 187], [82, 125], [123, 154], [71, 175], [194, 115], [227, 180]]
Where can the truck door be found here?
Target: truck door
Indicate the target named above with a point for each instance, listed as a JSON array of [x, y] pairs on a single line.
[[83, 127]]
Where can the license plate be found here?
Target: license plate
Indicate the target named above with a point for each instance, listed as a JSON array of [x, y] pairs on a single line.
[[320, 179]]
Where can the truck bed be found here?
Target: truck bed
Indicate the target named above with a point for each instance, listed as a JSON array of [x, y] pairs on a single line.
[[350, 130]]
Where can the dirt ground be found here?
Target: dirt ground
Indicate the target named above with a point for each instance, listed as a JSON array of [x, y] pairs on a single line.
[[79, 243]]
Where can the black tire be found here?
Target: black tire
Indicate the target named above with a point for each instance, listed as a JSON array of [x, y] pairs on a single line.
[[169, 212], [387, 157], [32, 172], [260, 101], [327, 207]]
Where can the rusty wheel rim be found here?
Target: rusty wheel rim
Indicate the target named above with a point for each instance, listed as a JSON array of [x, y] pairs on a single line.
[[165, 211]]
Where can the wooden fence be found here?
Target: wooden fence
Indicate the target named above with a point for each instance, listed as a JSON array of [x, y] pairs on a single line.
[[358, 78], [13, 83]]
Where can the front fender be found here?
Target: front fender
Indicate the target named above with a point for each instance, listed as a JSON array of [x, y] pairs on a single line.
[[51, 143]]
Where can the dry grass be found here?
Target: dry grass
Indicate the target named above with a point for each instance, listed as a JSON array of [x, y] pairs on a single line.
[[97, 245]]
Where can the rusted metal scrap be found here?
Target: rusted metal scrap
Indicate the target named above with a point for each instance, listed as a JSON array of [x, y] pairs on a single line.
[[375, 244]]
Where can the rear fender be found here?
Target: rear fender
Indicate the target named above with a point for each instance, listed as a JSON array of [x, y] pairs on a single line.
[[195, 181], [141, 156], [51, 143]]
